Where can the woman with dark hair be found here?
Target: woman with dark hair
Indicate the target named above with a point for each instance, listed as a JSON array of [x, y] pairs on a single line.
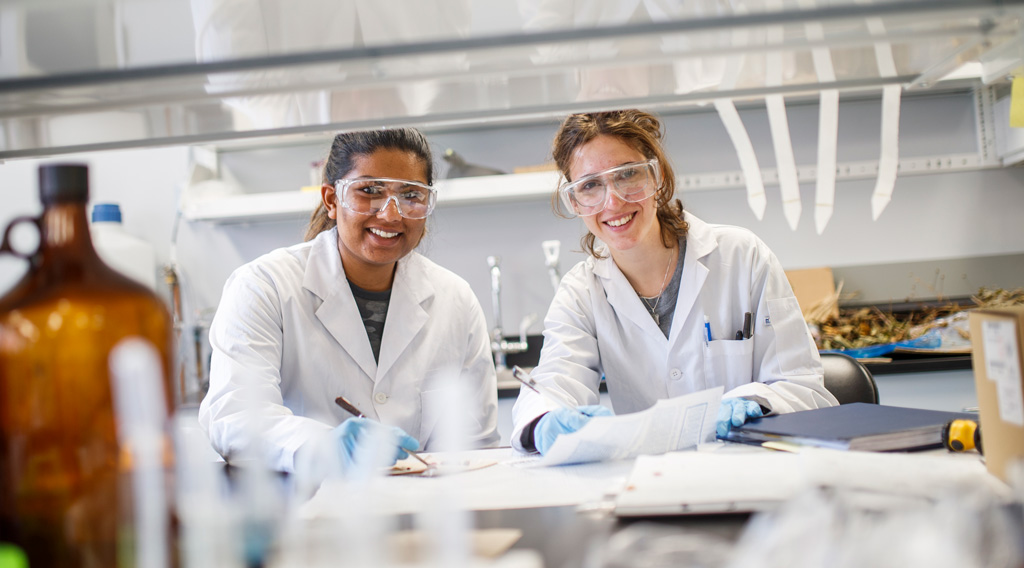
[[351, 312], [668, 305]]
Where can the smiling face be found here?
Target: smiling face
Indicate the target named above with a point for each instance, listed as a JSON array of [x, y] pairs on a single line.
[[370, 245], [622, 225]]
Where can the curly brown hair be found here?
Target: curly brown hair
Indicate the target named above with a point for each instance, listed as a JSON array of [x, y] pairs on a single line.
[[642, 131]]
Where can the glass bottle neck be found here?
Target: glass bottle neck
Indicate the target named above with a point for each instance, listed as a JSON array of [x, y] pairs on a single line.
[[65, 233]]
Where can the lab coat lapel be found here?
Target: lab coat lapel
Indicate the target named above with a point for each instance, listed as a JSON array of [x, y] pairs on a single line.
[[406, 314], [325, 277], [624, 298], [699, 243]]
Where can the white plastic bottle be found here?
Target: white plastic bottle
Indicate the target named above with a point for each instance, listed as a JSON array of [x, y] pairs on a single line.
[[123, 252]]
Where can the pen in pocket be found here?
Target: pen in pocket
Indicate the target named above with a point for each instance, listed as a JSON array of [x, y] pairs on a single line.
[[744, 333]]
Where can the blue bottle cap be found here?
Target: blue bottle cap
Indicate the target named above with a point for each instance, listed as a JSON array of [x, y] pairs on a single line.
[[106, 212]]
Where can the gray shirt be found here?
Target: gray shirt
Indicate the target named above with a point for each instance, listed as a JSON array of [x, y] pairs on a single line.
[[373, 308], [664, 306]]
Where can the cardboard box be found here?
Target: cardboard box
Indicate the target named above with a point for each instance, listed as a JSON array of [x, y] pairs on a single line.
[[997, 343], [812, 286]]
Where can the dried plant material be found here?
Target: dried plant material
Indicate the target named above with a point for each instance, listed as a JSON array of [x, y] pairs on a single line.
[[827, 308], [999, 298], [856, 328]]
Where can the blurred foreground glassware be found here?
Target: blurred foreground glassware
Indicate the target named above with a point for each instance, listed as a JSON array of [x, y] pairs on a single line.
[[61, 465]]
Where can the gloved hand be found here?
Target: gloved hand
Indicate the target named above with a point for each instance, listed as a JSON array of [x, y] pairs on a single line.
[[564, 421], [734, 412], [351, 432]]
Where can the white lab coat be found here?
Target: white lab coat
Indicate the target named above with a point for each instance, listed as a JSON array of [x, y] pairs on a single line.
[[288, 338], [598, 325]]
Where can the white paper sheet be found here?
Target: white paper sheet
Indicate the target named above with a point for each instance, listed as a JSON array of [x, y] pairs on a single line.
[[671, 424], [1002, 366], [709, 482], [755, 479], [917, 474], [516, 482]]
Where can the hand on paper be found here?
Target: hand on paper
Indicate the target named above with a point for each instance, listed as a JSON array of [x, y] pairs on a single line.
[[734, 412], [564, 421], [352, 432]]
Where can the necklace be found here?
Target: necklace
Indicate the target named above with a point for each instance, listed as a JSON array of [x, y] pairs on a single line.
[[654, 309]]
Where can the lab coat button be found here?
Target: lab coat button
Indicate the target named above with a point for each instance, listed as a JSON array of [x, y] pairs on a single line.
[[676, 374], [380, 398]]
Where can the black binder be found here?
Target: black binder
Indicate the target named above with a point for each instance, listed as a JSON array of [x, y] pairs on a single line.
[[854, 426]]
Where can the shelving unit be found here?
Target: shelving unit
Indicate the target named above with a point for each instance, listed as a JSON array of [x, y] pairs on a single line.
[[139, 89], [275, 206], [256, 207]]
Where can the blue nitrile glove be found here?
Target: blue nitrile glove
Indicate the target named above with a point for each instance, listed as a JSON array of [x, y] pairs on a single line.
[[350, 432], [564, 421], [734, 412]]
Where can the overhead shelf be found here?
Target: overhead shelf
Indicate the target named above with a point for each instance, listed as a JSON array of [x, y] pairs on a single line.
[[274, 206], [166, 72], [285, 205]]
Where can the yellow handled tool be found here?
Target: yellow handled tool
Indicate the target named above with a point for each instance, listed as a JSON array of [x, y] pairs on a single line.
[[962, 435]]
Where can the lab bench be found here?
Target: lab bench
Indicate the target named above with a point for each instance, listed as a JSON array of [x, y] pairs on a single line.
[[579, 527]]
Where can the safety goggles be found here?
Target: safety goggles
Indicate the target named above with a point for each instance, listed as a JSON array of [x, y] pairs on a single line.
[[369, 196], [631, 182]]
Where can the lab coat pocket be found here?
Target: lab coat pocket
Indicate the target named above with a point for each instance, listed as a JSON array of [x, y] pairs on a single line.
[[792, 341], [728, 362], [444, 416]]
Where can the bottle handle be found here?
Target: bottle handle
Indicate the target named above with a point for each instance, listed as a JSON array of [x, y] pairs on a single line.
[[5, 246]]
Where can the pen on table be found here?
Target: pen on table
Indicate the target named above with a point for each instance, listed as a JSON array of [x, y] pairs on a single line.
[[532, 384], [707, 328], [351, 409]]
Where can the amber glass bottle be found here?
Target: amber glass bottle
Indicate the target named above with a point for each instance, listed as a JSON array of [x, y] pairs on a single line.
[[60, 462]]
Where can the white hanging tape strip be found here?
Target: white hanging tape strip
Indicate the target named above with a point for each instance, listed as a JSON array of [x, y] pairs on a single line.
[[890, 143], [890, 154], [828, 134], [756, 199], [745, 152], [789, 187], [828, 126]]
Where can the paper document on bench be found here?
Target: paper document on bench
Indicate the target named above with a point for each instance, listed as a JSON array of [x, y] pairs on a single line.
[[671, 424], [742, 479]]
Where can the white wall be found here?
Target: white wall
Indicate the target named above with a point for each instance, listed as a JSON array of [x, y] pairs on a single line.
[[930, 217], [145, 182]]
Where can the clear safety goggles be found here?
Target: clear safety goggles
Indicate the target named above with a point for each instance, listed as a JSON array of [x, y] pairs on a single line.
[[631, 182], [369, 196]]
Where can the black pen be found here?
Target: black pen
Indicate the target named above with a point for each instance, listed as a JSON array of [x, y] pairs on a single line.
[[747, 320], [351, 409]]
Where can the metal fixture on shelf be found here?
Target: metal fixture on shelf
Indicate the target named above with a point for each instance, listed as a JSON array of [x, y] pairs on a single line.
[[499, 346], [458, 167], [551, 250]]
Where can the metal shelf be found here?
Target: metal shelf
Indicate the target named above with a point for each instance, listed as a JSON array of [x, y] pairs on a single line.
[[275, 206], [278, 81]]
